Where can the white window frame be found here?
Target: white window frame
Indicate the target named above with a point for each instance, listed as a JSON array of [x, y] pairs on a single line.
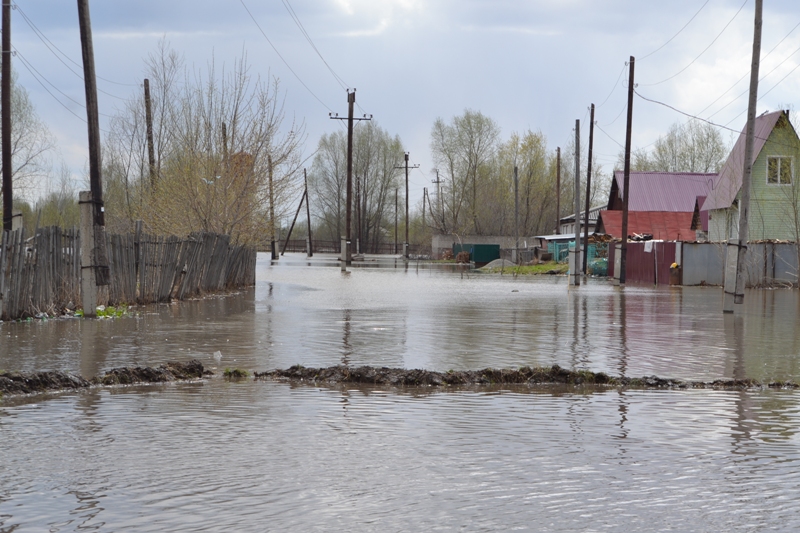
[[781, 161]]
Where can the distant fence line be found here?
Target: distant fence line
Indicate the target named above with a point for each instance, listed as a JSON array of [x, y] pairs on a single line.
[[41, 274], [333, 247]]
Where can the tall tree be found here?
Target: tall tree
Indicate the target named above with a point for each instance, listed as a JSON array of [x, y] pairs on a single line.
[[463, 149], [694, 146], [376, 154]]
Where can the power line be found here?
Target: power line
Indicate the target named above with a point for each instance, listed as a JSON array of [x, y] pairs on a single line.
[[679, 32], [766, 93], [281, 57], [748, 73], [299, 24], [614, 88], [50, 46], [701, 53], [609, 136], [30, 66], [725, 127], [760, 80]]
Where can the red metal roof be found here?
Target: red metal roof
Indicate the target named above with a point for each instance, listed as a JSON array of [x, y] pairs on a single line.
[[727, 185], [665, 225], [660, 191]]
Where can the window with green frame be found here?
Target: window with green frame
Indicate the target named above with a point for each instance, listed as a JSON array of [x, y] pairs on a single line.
[[779, 170]]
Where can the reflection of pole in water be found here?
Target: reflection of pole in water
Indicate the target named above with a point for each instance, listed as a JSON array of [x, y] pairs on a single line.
[[575, 320], [347, 350], [623, 349]]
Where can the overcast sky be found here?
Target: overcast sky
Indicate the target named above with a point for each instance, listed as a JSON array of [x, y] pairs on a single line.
[[527, 64]]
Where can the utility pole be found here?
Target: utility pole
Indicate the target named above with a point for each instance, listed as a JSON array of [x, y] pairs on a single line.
[[308, 216], [100, 262], [575, 259], [737, 248], [558, 190], [351, 100], [405, 244], [395, 220], [516, 216], [5, 109], [437, 181], [588, 192], [272, 247], [424, 197], [148, 117], [627, 176]]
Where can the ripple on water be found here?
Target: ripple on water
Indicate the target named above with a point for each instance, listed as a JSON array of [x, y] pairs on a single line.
[[242, 455]]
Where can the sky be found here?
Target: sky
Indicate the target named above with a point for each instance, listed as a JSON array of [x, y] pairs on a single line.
[[532, 65]]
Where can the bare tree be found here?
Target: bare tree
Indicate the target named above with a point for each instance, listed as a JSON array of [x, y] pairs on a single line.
[[214, 134]]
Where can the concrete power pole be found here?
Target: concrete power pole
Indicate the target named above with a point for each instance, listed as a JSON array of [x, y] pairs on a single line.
[[308, 216], [627, 176], [737, 248], [395, 220], [575, 255], [588, 192]]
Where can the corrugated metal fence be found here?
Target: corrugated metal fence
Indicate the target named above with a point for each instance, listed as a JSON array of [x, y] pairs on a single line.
[[41, 274]]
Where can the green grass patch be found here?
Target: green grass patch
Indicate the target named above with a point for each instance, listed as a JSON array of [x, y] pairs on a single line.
[[235, 373], [527, 270]]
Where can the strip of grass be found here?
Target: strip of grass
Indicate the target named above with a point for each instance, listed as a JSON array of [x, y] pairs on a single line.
[[524, 270]]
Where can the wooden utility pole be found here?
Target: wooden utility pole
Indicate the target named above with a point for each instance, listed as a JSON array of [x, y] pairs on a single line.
[[308, 216], [272, 247], [737, 248], [5, 109], [588, 192], [148, 117], [626, 192], [558, 190], [395, 220], [93, 123], [294, 220], [516, 215], [351, 100], [575, 259], [405, 244]]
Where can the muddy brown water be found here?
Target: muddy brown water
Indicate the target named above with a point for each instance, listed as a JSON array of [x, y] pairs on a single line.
[[255, 456]]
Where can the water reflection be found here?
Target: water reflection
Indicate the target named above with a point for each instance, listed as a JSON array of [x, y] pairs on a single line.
[[432, 318]]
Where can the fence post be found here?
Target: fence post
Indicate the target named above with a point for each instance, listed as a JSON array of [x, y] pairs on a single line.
[[88, 285]]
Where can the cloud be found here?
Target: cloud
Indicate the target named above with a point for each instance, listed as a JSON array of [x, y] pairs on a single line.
[[377, 30]]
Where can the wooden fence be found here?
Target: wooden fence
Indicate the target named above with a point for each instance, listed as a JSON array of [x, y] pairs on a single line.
[[41, 274]]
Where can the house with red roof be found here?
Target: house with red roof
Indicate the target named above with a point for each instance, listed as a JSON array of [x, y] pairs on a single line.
[[775, 193], [662, 204], [679, 206]]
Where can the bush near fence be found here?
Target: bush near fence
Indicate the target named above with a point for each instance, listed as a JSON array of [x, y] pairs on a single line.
[[41, 274]]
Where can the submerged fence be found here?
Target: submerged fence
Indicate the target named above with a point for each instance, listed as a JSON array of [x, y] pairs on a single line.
[[41, 274]]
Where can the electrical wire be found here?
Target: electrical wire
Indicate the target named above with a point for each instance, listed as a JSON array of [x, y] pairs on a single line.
[[765, 76], [30, 66], [299, 24], [609, 136], [282, 58], [747, 73], [679, 32], [50, 46], [614, 88], [766, 93], [701, 53]]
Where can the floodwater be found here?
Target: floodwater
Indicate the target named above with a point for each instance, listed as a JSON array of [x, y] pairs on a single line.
[[256, 456]]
